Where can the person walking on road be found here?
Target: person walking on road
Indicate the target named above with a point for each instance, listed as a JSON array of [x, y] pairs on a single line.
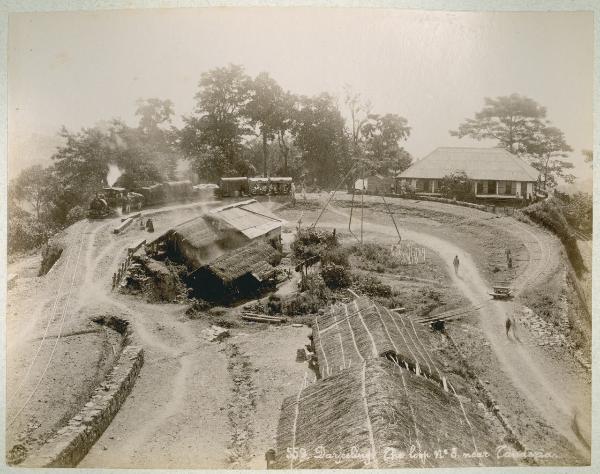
[[456, 264], [508, 325]]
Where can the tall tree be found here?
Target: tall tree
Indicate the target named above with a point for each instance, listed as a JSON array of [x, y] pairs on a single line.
[[82, 162], [383, 135], [321, 138], [33, 185], [547, 152], [215, 131], [156, 138], [510, 120], [265, 110], [359, 111], [285, 126]]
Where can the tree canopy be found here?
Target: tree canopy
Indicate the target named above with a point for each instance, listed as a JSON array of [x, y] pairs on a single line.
[[518, 124]]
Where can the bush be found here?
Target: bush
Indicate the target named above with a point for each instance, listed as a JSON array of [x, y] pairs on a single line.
[[75, 214], [457, 185], [335, 276], [315, 285], [370, 285], [274, 305], [312, 243], [549, 213], [25, 232], [376, 254], [336, 256], [406, 190]]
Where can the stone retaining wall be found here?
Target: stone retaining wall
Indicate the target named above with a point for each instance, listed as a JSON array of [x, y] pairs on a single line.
[[71, 443]]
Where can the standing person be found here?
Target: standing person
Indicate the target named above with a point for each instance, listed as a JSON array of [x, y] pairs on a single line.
[[508, 325], [293, 193], [270, 458], [456, 264]]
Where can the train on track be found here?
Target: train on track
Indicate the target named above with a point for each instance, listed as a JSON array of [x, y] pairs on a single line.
[[243, 186], [115, 200]]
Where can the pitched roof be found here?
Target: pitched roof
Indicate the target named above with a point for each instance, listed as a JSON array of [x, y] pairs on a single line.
[[248, 217], [253, 258], [477, 163], [371, 414], [196, 231], [349, 333]]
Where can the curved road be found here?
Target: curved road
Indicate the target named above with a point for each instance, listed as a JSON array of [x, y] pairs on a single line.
[[558, 395]]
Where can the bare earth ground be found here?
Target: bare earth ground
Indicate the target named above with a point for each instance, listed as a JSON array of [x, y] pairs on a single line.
[[200, 404]]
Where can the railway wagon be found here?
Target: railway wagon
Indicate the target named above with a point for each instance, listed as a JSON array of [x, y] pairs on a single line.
[[154, 194], [258, 186], [233, 187], [176, 190], [280, 185]]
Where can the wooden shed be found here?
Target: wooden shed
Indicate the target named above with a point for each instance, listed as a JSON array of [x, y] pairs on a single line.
[[241, 273]]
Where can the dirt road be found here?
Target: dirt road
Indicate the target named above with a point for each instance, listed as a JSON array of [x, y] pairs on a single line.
[[555, 393]]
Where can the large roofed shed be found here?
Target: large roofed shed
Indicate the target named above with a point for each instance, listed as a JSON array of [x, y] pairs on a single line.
[[495, 172], [249, 218]]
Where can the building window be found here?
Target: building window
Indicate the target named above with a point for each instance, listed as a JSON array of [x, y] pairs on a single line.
[[480, 187], [509, 186], [491, 187]]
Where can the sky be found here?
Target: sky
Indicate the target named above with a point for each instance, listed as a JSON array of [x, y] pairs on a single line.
[[434, 68]]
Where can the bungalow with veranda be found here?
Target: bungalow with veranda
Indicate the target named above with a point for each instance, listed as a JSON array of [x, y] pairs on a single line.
[[494, 172]]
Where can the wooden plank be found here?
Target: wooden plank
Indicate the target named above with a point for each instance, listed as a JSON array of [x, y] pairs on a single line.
[[262, 318], [123, 226]]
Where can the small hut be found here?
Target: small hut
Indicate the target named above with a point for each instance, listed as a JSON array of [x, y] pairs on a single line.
[[240, 273], [374, 184], [377, 415]]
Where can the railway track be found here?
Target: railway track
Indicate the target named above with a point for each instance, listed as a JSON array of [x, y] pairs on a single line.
[[63, 317]]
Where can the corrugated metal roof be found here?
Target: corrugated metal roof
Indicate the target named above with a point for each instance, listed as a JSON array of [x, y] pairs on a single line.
[[248, 217], [477, 163]]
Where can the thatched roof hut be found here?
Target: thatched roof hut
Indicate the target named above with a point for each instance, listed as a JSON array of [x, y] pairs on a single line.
[[240, 272], [376, 414], [348, 334]]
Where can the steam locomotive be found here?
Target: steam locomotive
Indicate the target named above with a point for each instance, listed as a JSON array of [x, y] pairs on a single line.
[[114, 200]]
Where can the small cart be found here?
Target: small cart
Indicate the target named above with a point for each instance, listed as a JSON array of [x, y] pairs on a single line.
[[501, 292]]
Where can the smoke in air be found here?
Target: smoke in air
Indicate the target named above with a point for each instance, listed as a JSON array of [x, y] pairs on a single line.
[[113, 174]]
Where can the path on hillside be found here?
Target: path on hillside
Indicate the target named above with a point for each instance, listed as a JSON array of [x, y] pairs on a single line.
[[556, 394]]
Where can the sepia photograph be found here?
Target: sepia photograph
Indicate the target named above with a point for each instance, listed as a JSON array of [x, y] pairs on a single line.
[[299, 237]]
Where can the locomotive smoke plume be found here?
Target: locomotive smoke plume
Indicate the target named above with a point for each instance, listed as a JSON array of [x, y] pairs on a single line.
[[113, 174]]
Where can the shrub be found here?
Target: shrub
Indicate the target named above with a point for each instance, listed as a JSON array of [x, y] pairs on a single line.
[[75, 214], [25, 232], [336, 256], [315, 285], [457, 185], [335, 276], [406, 190], [377, 254], [370, 285], [549, 213], [274, 305], [312, 243]]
